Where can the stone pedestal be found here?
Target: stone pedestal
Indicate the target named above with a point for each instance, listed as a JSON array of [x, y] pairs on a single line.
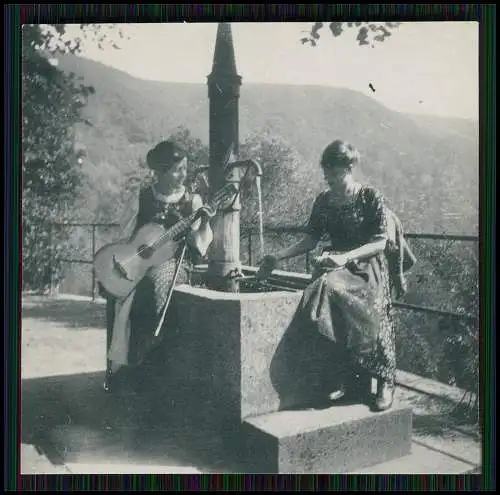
[[224, 351]]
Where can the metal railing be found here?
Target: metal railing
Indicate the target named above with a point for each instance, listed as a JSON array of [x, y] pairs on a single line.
[[93, 226], [249, 234]]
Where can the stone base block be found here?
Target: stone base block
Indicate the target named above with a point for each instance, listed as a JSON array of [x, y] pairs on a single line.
[[339, 439], [225, 359]]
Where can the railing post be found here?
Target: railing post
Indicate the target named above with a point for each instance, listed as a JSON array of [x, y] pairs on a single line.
[[307, 261], [93, 269], [249, 247], [51, 262]]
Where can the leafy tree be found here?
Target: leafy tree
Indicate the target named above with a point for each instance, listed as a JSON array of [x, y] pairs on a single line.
[[52, 102], [279, 162], [369, 33]]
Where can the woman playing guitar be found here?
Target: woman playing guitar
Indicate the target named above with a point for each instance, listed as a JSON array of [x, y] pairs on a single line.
[[132, 320]]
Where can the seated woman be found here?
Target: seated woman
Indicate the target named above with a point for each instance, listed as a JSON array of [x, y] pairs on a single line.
[[349, 298], [132, 321]]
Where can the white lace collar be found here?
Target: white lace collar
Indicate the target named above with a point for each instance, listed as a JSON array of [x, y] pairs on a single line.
[[171, 198]]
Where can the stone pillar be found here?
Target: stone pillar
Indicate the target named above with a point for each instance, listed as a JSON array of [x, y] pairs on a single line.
[[223, 92]]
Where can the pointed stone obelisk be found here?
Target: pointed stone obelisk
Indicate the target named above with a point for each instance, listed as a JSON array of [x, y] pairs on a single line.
[[223, 93]]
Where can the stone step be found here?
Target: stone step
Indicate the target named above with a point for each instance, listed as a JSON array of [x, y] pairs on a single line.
[[338, 439]]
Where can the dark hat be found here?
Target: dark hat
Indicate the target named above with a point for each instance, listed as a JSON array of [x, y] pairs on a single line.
[[164, 155]]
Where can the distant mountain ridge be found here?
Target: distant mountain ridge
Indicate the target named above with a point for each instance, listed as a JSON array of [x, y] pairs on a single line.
[[426, 166]]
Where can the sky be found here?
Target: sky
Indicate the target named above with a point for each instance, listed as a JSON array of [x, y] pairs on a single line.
[[424, 67]]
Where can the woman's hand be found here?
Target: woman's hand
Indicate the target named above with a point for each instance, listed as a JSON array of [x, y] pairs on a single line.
[[206, 211], [336, 260], [267, 265]]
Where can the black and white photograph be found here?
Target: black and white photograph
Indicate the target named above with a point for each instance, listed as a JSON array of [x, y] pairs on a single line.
[[250, 247]]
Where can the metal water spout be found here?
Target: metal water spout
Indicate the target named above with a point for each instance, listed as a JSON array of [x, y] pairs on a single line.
[[247, 165], [232, 176]]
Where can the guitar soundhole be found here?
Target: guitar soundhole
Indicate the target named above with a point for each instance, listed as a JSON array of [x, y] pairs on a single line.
[[145, 252]]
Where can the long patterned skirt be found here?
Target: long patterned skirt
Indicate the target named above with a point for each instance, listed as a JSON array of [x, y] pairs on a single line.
[[150, 298], [351, 307], [131, 325]]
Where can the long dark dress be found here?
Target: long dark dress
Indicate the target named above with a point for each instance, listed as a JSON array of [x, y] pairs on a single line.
[[151, 293], [351, 306]]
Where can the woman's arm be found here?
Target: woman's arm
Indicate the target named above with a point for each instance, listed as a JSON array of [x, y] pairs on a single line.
[[306, 244], [375, 229], [366, 251], [268, 264], [315, 229], [200, 235], [196, 205]]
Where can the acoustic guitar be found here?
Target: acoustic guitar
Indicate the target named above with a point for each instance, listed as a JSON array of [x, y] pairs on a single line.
[[120, 266]]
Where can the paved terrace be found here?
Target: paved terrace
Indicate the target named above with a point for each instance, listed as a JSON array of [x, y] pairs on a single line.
[[69, 425]]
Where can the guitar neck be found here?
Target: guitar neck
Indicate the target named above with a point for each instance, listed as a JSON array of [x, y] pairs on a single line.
[[174, 231]]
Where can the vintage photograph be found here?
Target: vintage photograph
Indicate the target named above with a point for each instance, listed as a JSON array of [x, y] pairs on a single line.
[[250, 247]]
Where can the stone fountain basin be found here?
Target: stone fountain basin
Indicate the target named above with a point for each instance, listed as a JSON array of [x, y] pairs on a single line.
[[237, 355]]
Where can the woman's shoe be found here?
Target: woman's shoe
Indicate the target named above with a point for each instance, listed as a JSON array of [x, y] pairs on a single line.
[[385, 395], [351, 387], [338, 394], [108, 381]]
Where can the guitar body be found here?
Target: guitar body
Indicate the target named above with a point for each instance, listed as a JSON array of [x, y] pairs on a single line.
[[119, 267]]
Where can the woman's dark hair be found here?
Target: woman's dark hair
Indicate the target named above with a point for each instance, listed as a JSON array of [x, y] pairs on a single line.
[[340, 154], [164, 155]]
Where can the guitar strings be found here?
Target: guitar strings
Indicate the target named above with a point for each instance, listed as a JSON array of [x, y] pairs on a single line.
[[170, 232], [218, 197]]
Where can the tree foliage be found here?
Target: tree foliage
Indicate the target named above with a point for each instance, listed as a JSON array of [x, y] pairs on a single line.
[[445, 348], [52, 104], [457, 267], [278, 160], [369, 33]]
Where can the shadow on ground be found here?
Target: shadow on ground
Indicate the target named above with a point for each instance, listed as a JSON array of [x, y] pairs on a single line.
[[443, 425], [71, 419], [439, 416], [72, 314]]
